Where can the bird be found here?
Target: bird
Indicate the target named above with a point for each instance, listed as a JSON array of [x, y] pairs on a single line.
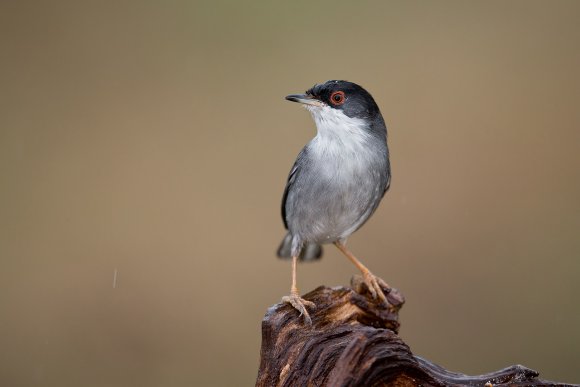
[[337, 181]]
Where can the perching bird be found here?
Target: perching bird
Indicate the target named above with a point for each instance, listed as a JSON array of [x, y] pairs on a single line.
[[338, 179]]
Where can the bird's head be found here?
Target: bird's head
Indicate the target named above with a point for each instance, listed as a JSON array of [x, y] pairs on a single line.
[[339, 103]]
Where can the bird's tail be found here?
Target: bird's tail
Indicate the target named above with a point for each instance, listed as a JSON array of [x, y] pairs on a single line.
[[310, 251]]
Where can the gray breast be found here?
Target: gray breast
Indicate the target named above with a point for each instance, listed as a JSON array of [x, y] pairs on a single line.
[[335, 189]]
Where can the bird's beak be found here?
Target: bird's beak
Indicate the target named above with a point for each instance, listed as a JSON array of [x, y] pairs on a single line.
[[304, 99]]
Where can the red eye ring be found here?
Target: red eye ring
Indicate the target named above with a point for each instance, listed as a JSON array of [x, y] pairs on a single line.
[[337, 98]]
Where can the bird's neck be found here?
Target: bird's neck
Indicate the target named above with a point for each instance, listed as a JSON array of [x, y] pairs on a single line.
[[342, 141], [332, 123], [339, 135]]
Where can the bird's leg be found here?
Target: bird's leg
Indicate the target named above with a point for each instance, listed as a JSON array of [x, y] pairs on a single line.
[[294, 298], [373, 283]]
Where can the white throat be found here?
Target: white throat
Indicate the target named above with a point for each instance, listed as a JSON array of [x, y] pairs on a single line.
[[338, 132]]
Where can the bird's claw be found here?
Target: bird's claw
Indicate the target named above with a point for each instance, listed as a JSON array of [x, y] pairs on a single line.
[[375, 286], [300, 305]]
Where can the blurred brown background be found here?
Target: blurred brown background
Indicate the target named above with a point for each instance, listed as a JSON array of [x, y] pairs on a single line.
[[152, 138]]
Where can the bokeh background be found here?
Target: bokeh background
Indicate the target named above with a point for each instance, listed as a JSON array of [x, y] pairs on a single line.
[[151, 140]]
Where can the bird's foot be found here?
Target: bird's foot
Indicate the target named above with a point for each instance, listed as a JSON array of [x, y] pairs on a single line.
[[300, 305], [373, 284]]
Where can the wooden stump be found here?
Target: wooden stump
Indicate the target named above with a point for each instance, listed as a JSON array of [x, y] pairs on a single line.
[[353, 341]]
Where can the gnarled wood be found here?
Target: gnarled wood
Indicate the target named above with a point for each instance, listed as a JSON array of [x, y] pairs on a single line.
[[353, 341]]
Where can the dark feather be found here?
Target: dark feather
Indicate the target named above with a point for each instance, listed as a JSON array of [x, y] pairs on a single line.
[[310, 252], [291, 178]]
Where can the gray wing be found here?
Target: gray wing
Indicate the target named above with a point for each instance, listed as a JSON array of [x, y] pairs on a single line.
[[388, 185], [291, 179]]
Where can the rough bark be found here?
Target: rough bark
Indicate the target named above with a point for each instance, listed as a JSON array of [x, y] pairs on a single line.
[[353, 341]]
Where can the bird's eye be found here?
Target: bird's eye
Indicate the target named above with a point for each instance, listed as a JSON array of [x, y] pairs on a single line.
[[337, 98]]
